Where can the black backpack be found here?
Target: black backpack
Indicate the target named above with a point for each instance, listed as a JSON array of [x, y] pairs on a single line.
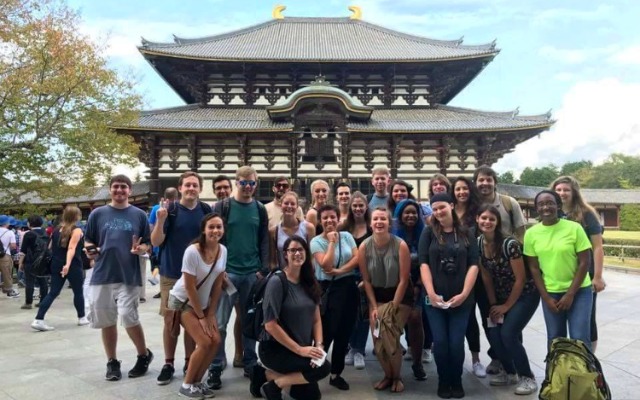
[[41, 256], [253, 319]]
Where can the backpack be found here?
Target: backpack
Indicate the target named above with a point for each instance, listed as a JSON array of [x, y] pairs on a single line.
[[171, 221], [3, 251], [224, 208], [41, 256], [573, 372], [253, 319]]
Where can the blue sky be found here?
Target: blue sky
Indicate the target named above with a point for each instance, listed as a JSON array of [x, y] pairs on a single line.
[[579, 58]]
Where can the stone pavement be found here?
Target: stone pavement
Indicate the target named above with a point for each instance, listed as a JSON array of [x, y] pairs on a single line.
[[70, 363]]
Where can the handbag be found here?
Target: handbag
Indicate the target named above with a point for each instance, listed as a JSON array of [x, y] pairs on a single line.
[[176, 315], [324, 300]]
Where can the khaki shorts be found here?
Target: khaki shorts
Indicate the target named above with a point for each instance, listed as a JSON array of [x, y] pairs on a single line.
[[107, 302], [166, 284]]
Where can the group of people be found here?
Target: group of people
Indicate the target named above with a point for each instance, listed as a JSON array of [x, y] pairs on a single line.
[[384, 264]]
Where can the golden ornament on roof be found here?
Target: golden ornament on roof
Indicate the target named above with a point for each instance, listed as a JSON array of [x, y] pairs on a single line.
[[357, 12], [277, 12]]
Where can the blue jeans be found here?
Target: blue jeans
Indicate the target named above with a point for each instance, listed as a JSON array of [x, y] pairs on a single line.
[[448, 328], [243, 283], [578, 317], [506, 338], [57, 283]]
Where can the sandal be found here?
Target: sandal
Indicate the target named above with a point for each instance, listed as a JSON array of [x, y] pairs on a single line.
[[384, 384], [398, 386]]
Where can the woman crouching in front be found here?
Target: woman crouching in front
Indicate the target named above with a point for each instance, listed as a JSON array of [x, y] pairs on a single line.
[[292, 322], [448, 255], [385, 263], [196, 295]]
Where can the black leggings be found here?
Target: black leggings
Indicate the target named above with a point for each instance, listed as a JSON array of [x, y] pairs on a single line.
[[339, 319], [473, 330]]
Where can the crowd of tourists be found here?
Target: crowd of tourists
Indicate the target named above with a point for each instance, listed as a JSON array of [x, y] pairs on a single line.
[[384, 265]]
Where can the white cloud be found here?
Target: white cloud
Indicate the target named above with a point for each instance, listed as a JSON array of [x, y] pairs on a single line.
[[627, 56], [596, 118], [564, 76], [563, 15], [566, 56]]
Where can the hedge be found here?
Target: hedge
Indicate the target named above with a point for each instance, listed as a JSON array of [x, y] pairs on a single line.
[[630, 217], [616, 251]]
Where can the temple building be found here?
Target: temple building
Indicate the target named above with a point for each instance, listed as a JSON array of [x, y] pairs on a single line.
[[323, 98]]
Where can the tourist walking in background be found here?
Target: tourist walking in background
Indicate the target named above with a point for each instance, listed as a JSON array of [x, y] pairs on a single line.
[[6, 263], [558, 258], [578, 210], [513, 298], [35, 239], [195, 296], [448, 266], [66, 263]]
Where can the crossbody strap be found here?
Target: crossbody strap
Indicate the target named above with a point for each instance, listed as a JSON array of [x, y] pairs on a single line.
[[215, 259]]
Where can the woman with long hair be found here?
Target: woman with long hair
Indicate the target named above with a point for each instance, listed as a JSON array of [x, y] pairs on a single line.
[[408, 225], [288, 227], [358, 224], [578, 210], [466, 202], [398, 191], [439, 184], [196, 295], [320, 194], [293, 325], [558, 258], [385, 262], [343, 197], [335, 259], [448, 254], [66, 263], [513, 298]]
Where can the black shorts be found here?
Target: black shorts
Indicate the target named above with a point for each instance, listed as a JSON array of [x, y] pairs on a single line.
[[278, 358]]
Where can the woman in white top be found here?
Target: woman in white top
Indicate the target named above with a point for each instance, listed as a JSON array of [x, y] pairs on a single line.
[[196, 293]]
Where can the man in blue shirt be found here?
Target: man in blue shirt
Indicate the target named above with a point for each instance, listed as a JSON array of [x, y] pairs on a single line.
[[117, 234], [177, 225]]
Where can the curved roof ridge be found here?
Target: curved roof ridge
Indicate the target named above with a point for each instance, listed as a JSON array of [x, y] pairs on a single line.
[[169, 110], [514, 114]]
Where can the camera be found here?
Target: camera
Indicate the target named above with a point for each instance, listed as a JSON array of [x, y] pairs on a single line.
[[449, 266]]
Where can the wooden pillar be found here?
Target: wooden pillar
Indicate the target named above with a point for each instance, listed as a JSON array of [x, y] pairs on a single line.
[[345, 154], [150, 155], [194, 153], [394, 155]]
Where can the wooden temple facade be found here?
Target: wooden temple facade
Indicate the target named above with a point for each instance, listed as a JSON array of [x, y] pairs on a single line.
[[323, 98]]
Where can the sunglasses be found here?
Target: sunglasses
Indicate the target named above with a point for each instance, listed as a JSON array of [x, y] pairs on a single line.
[[245, 183], [281, 185], [298, 250]]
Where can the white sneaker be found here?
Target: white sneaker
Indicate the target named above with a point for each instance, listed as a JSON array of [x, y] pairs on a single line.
[[407, 355], [40, 325], [427, 356], [494, 367], [83, 321], [526, 386], [478, 370], [358, 361], [504, 379], [348, 359]]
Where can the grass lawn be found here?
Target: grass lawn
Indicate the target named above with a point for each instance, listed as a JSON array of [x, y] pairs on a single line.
[[628, 262], [624, 235]]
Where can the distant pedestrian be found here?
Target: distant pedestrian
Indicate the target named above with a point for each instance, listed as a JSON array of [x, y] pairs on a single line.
[[34, 239], [6, 263]]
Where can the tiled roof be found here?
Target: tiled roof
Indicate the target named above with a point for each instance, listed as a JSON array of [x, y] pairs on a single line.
[[318, 39], [441, 118], [592, 196], [99, 194]]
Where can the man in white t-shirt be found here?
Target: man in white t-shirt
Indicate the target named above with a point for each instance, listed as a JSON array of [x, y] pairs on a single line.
[[281, 186]]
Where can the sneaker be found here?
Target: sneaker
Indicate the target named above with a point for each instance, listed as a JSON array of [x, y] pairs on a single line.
[[13, 294], [142, 365], [21, 284], [83, 321], [444, 391], [479, 370], [26, 306], [407, 356], [206, 392], [156, 296], [166, 374], [40, 325], [418, 372], [257, 379], [427, 356], [193, 392], [113, 370], [504, 379], [213, 380], [271, 391], [358, 361], [457, 392], [339, 382], [494, 367], [349, 359], [526, 385]]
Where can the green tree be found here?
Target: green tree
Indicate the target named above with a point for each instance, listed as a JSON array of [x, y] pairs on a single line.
[[573, 168], [538, 176], [58, 98], [619, 171], [507, 177]]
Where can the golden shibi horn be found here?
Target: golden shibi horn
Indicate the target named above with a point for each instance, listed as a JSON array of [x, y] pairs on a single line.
[[277, 12], [357, 12]]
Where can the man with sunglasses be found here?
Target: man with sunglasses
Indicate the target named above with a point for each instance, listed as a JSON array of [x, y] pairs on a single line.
[[247, 240], [274, 209]]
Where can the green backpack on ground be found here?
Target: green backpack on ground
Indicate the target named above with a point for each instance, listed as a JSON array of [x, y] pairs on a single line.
[[573, 373]]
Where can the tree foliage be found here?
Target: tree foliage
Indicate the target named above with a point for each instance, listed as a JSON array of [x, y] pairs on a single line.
[[630, 217], [507, 177], [539, 176], [58, 98]]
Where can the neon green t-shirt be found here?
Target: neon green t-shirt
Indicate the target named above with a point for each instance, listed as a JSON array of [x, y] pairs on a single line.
[[557, 247]]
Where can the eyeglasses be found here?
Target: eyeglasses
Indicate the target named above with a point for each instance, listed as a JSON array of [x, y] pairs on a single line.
[[117, 187], [245, 183], [281, 186], [297, 250]]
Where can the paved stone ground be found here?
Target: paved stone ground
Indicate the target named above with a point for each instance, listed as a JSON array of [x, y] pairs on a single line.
[[69, 362]]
